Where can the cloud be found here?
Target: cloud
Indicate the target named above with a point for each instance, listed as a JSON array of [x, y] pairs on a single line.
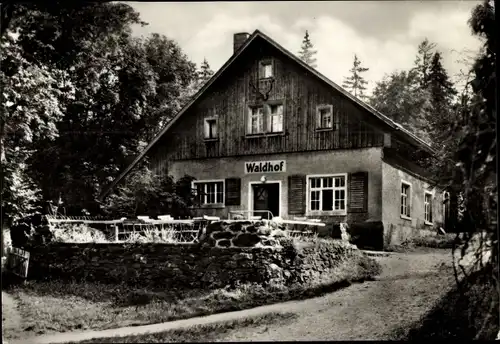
[[209, 33]]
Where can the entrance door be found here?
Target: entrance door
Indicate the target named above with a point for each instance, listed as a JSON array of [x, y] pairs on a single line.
[[266, 197]]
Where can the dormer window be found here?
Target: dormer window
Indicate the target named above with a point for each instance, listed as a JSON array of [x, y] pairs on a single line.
[[210, 128], [324, 117], [266, 69]]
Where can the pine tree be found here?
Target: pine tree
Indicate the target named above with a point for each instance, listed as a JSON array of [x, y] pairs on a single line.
[[423, 61], [441, 88], [307, 53], [356, 84], [205, 73]]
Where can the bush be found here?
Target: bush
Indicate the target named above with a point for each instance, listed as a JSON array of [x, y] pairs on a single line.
[[446, 241], [77, 233]]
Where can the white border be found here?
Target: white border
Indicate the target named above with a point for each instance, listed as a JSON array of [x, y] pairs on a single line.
[[408, 198], [250, 195], [310, 212], [223, 204]]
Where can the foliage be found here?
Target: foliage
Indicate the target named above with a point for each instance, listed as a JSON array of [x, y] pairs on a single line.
[[476, 153], [355, 83], [32, 102], [126, 90], [204, 74], [442, 121], [153, 236], [146, 193], [307, 52], [400, 97], [77, 233], [423, 62]]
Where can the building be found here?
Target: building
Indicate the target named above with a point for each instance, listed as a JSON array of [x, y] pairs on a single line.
[[268, 132]]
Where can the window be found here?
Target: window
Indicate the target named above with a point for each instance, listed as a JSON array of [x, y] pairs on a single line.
[[210, 192], [327, 193], [266, 70], [405, 199], [256, 120], [428, 207], [275, 119], [324, 115], [210, 128]]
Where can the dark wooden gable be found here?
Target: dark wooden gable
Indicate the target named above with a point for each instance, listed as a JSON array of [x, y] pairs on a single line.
[[298, 91]]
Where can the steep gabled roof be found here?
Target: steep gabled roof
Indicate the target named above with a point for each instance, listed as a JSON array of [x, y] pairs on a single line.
[[410, 136]]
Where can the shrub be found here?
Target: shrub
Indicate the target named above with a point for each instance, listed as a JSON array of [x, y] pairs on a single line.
[[77, 233]]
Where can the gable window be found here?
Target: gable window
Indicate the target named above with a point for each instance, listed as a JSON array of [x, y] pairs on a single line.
[[324, 117], [275, 118], [256, 120], [209, 192], [428, 207], [210, 128], [327, 193], [266, 69], [405, 199]]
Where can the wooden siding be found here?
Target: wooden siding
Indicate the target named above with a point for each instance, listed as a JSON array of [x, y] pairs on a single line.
[[300, 94]]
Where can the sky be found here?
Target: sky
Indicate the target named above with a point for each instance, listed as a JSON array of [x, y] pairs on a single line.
[[383, 34]]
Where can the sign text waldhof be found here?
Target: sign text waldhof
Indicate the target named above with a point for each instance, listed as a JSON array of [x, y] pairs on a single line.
[[265, 166]]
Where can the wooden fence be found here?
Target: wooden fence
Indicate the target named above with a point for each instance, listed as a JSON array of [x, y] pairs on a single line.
[[17, 262], [176, 230]]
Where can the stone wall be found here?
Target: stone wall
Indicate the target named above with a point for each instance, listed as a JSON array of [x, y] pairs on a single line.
[[188, 265]]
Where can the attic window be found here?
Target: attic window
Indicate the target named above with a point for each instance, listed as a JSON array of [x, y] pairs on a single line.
[[266, 69], [324, 117], [210, 128]]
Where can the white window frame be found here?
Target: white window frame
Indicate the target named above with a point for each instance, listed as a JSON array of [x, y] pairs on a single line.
[[206, 128], [408, 200], [208, 181], [269, 117], [309, 189], [319, 119], [426, 209], [251, 116]]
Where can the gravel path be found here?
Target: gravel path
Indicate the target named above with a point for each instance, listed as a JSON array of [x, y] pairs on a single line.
[[407, 289]]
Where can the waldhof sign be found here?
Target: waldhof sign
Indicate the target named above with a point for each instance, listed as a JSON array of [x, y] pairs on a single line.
[[265, 166]]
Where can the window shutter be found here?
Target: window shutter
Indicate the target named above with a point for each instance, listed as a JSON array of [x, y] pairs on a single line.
[[200, 193], [358, 192], [206, 128], [297, 194], [233, 191]]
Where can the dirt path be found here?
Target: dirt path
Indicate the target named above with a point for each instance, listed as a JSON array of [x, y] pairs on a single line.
[[11, 320], [408, 287]]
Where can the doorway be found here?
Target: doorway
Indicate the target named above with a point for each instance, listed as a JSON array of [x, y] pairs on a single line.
[[265, 197]]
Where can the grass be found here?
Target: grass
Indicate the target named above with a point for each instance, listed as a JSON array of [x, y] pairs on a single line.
[[198, 333], [445, 241], [465, 313], [55, 306]]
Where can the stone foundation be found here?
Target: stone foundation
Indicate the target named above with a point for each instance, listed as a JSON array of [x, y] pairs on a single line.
[[189, 265], [242, 234]]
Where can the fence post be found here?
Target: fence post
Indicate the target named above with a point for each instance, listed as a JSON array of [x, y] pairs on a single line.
[[116, 232]]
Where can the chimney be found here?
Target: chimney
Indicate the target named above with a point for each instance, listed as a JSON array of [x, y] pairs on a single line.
[[239, 39]]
